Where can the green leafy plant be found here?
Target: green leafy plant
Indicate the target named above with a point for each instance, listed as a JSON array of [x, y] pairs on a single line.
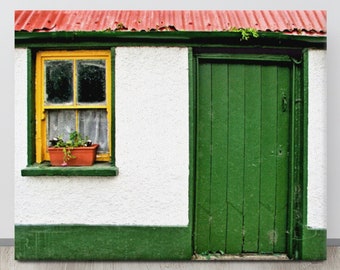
[[246, 33], [75, 140]]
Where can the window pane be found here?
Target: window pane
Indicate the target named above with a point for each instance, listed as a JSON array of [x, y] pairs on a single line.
[[93, 123], [58, 82], [91, 81], [60, 123]]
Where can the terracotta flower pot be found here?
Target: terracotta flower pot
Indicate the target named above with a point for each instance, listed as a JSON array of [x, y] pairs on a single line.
[[82, 156]]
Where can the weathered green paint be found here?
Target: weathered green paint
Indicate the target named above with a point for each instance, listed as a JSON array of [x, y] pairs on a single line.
[[313, 244], [177, 38], [192, 141], [242, 156], [235, 169], [203, 140], [252, 174], [304, 130], [45, 169], [233, 54], [282, 173], [297, 165], [30, 106], [63, 242], [219, 107]]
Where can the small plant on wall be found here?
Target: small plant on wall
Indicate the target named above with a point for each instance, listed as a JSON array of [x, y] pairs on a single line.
[[76, 151], [246, 33]]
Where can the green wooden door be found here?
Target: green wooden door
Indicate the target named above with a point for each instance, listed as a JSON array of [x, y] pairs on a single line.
[[242, 157]]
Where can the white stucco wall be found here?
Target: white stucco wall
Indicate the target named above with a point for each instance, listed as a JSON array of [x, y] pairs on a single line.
[[152, 142], [152, 150], [317, 140]]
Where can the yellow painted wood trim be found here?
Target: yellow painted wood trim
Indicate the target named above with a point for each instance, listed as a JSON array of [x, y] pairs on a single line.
[[108, 104], [73, 107], [41, 108], [79, 54]]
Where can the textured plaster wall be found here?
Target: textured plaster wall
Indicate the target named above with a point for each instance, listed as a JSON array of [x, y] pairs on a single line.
[[317, 140], [152, 142], [151, 148]]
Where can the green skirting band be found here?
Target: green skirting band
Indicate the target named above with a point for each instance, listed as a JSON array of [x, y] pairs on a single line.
[[102, 243], [82, 242]]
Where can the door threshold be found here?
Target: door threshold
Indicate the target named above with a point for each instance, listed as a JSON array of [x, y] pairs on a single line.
[[240, 257]]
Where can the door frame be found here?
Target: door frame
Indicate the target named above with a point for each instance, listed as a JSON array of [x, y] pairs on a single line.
[[297, 195]]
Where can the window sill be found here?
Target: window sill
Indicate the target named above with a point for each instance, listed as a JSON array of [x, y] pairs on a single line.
[[45, 169]]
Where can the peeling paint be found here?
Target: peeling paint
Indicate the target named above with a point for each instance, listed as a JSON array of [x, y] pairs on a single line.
[[272, 236]]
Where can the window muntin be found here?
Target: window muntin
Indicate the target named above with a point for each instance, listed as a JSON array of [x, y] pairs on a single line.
[[73, 93]]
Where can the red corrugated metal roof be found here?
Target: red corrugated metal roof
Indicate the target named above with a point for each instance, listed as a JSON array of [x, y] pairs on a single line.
[[289, 21]]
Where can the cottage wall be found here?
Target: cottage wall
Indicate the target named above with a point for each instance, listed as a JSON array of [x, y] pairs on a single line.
[[152, 148]]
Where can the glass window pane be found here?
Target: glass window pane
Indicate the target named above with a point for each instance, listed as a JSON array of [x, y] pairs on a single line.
[[58, 81], [60, 123], [91, 81], [93, 124]]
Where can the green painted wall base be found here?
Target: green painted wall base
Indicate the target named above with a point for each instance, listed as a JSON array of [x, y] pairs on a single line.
[[102, 243], [81, 242], [313, 245]]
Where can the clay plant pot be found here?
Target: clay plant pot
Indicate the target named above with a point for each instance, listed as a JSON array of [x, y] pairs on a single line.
[[81, 156]]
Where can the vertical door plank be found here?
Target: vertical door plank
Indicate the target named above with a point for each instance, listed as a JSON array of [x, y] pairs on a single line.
[[282, 160], [252, 157], [203, 160], [235, 160], [219, 156], [267, 236]]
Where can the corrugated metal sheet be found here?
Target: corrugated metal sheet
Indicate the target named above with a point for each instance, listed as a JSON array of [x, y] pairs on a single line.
[[309, 22]]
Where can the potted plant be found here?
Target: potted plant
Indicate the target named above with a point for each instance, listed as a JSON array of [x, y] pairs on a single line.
[[76, 151]]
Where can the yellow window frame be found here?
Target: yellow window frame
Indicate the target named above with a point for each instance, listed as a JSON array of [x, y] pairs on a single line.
[[41, 108]]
